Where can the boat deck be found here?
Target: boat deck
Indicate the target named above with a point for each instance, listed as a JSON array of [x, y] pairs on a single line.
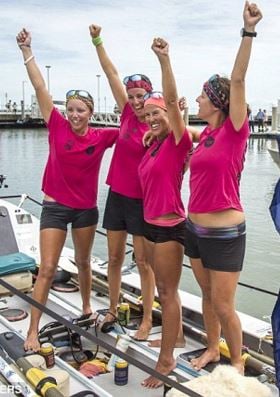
[[102, 384], [257, 333]]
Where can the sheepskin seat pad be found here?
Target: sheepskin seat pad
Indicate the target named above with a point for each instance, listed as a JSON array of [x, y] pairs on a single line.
[[224, 381]]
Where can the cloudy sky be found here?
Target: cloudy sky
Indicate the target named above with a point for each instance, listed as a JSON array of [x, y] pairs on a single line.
[[204, 36]]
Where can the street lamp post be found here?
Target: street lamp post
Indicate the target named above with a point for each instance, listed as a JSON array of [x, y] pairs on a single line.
[[98, 92], [48, 76], [105, 105], [23, 99]]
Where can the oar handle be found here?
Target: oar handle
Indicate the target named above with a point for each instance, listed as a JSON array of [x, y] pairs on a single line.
[[43, 384], [261, 368]]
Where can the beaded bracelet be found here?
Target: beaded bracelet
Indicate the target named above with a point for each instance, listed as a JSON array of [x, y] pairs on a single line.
[[97, 41], [28, 59]]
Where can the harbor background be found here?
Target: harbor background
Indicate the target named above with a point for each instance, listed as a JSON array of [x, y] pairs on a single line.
[[23, 154]]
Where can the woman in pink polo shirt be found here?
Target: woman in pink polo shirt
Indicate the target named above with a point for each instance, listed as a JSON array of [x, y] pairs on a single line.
[[70, 185], [215, 232], [161, 173], [124, 206]]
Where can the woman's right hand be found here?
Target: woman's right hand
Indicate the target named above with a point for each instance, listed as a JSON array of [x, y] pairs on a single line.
[[95, 30], [24, 38], [160, 47]]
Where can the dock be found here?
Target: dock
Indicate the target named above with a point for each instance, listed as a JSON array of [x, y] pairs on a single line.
[[14, 120], [31, 120]]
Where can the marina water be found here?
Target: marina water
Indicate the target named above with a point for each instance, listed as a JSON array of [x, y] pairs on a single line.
[[23, 154]]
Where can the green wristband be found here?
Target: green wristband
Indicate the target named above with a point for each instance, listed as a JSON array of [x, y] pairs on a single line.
[[97, 41]]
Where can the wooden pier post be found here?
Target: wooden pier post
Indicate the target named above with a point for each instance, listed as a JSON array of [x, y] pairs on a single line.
[[186, 116], [274, 118], [278, 116]]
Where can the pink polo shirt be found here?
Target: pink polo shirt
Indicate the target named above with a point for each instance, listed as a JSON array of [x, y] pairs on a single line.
[[215, 168], [72, 169], [161, 173], [123, 173]]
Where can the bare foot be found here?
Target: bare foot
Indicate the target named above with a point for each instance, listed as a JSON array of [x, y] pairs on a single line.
[[32, 342], [157, 343], [239, 366], [143, 332], [87, 310], [151, 382], [209, 356]]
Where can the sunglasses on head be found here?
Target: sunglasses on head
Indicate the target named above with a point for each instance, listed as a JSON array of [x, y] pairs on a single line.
[[153, 94], [213, 78], [81, 93], [136, 77]]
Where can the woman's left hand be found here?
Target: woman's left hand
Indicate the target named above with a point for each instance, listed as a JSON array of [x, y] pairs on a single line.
[[148, 138]]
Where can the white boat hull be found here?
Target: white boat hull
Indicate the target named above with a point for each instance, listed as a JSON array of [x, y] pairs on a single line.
[[26, 232]]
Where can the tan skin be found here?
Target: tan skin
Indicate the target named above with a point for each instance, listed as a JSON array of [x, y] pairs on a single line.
[[52, 240], [117, 239], [166, 258], [218, 288]]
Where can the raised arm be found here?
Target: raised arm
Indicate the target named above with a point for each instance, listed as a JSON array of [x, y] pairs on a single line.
[[161, 49], [109, 69], [44, 99], [238, 107]]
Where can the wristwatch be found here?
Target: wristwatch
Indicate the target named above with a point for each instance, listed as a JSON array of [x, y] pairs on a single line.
[[244, 32]]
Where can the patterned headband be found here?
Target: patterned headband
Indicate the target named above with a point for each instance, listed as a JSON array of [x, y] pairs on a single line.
[[216, 93]]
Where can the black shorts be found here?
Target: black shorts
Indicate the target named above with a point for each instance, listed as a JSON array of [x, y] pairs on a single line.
[[221, 249], [123, 213], [162, 234], [57, 216]]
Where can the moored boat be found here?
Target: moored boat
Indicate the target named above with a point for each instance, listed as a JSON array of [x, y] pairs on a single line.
[[275, 155], [275, 151]]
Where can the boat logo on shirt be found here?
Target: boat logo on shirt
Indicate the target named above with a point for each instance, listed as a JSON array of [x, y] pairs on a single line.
[[69, 145], [128, 134], [156, 149], [90, 149], [209, 141]]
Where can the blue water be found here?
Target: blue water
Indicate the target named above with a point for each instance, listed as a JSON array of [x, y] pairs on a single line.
[[23, 154]]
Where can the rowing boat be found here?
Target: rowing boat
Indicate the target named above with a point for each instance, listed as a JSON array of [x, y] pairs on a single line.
[[19, 231]]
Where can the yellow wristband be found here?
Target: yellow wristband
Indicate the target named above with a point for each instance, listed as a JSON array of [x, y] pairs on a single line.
[[97, 41]]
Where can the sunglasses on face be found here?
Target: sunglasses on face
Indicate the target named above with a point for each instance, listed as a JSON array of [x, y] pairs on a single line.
[[153, 94], [81, 93], [136, 77]]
